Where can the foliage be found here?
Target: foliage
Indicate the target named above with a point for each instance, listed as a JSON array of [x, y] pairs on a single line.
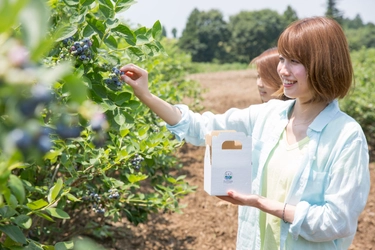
[[205, 36], [78, 150], [360, 103], [333, 12], [253, 32], [218, 67], [290, 15], [361, 37]]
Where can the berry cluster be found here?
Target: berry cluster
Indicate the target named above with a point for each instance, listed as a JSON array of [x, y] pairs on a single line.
[[81, 49], [136, 161], [25, 140], [97, 207], [114, 81], [113, 194], [40, 94]]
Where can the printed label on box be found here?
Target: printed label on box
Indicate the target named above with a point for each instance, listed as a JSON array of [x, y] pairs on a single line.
[[227, 164]]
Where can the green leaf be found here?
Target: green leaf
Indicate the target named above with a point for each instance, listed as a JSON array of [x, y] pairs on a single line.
[[97, 26], [142, 39], [122, 98], [64, 245], [65, 32], [44, 216], [132, 104], [128, 34], [143, 130], [87, 3], [71, 2], [7, 212], [123, 5], [34, 23], [72, 197], [133, 178], [55, 190], [76, 89], [134, 53], [106, 11], [157, 30], [111, 42], [107, 3], [52, 75], [57, 213], [88, 31], [23, 221], [9, 12], [14, 233], [15, 184], [120, 119], [35, 205]]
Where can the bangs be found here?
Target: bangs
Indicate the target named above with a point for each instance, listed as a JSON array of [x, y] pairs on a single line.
[[291, 43]]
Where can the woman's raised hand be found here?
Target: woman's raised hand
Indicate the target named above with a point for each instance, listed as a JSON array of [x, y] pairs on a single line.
[[137, 78]]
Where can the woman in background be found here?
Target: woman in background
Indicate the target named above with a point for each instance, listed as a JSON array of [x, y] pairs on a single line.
[[269, 82]]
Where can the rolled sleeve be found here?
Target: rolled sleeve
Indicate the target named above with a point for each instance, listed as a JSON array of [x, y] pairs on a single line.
[[194, 126], [345, 198]]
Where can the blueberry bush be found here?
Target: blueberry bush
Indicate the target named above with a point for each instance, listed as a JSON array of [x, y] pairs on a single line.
[[360, 103], [78, 151]]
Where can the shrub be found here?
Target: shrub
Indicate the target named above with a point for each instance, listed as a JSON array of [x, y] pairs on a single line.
[[360, 103], [78, 150]]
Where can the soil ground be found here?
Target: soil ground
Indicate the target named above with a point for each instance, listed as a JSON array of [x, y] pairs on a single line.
[[207, 222]]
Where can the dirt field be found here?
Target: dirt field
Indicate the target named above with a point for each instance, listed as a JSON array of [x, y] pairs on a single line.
[[207, 222]]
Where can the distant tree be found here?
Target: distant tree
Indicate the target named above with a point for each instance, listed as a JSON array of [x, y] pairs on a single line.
[[363, 37], [174, 32], [356, 23], [290, 15], [253, 32], [333, 12], [205, 35], [164, 32]]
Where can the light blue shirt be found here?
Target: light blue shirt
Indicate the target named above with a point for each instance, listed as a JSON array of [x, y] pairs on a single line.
[[331, 185]]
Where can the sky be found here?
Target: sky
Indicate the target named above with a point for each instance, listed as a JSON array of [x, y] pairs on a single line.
[[174, 13]]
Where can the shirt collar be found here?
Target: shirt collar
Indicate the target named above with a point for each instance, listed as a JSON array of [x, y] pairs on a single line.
[[324, 117]]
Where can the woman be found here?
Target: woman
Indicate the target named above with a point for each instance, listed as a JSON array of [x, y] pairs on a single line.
[[268, 81], [310, 160]]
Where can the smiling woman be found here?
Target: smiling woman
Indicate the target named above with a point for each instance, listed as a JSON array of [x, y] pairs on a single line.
[[298, 201]]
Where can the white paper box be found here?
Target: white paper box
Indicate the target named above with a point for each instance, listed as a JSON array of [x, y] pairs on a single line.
[[227, 163]]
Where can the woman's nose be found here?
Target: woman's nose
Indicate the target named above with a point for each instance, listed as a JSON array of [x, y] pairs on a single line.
[[283, 69], [260, 83]]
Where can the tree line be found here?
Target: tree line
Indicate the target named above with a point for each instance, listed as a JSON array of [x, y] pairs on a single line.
[[209, 38]]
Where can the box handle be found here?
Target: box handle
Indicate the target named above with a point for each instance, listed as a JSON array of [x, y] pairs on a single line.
[[231, 145]]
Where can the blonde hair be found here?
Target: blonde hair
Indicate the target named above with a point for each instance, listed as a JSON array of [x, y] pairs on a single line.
[[320, 44]]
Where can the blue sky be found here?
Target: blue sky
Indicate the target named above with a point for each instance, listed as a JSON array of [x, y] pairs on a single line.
[[174, 13]]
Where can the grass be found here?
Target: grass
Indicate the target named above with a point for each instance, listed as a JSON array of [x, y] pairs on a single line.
[[215, 67]]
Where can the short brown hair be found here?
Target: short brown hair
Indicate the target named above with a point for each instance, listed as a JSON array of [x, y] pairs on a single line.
[[266, 64], [320, 44]]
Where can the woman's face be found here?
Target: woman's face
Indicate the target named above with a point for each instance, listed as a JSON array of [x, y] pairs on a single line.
[[294, 77], [265, 90]]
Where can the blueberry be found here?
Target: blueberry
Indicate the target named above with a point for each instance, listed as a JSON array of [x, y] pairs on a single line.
[[44, 144], [68, 132], [28, 107], [21, 138]]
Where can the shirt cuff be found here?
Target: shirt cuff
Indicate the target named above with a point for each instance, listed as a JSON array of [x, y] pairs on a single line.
[[180, 129], [299, 216]]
